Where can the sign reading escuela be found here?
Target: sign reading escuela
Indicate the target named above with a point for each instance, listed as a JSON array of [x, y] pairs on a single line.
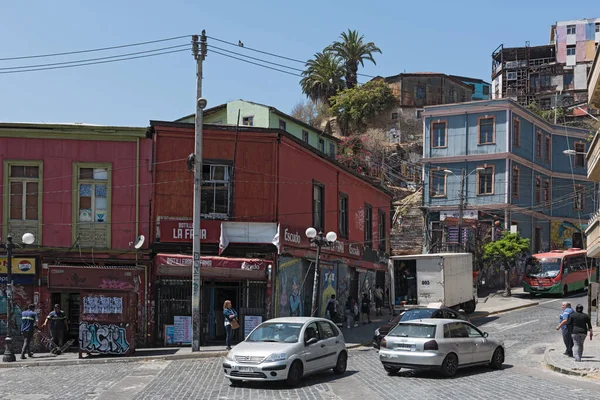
[[19, 265]]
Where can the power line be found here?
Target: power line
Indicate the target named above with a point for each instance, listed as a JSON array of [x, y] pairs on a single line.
[[254, 58], [254, 63], [93, 50]]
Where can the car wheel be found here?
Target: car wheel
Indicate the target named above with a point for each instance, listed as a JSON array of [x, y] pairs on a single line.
[[235, 382], [391, 370], [342, 363], [294, 374], [497, 358], [470, 307], [450, 365]]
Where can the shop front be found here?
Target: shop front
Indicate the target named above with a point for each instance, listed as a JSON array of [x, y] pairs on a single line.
[[24, 291], [102, 305], [243, 281]]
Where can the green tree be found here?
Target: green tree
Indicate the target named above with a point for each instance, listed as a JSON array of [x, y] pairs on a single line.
[[353, 49], [355, 107], [506, 251], [556, 114], [323, 77]]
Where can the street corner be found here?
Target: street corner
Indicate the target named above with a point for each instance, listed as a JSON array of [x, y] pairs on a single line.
[[556, 361]]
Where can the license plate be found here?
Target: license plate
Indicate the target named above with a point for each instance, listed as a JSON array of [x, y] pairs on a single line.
[[246, 369], [407, 347]]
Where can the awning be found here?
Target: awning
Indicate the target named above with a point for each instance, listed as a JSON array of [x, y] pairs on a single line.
[[211, 267]]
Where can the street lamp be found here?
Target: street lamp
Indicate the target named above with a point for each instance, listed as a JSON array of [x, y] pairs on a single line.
[[319, 240], [27, 238], [462, 197]]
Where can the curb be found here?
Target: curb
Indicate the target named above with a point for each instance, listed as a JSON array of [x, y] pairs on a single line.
[[505, 310], [561, 370]]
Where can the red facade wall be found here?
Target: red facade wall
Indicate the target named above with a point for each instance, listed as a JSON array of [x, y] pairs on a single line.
[[58, 156]]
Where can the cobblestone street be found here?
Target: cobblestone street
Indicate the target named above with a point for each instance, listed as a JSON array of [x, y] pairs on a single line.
[[526, 334]]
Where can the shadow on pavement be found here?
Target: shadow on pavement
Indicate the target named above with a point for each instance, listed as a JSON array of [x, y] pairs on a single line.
[[484, 320], [463, 372], [139, 353], [321, 377]]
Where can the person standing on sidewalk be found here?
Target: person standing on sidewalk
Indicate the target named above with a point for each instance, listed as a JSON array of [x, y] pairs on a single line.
[[378, 300], [566, 310], [349, 312], [331, 307], [58, 327], [230, 321], [580, 324], [28, 320], [365, 308]]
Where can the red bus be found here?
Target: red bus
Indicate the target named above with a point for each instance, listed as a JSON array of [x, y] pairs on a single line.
[[559, 272]]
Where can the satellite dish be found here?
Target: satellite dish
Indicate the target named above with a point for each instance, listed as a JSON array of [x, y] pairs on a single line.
[[139, 242]]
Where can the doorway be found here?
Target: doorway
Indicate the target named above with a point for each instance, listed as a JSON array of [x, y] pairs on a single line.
[[70, 304], [218, 293]]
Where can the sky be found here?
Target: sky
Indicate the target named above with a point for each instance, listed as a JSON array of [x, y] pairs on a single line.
[[453, 37]]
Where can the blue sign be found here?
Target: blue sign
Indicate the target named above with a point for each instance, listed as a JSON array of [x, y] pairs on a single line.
[[18, 279]]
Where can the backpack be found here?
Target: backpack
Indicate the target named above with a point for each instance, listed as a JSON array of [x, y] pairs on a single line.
[[331, 305]]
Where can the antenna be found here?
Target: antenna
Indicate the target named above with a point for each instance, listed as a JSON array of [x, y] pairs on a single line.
[[139, 242]]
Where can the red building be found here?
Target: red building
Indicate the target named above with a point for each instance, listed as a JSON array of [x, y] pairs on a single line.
[[84, 192], [261, 189]]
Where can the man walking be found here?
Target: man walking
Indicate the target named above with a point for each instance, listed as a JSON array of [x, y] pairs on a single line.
[[58, 326], [579, 324], [566, 310], [28, 320]]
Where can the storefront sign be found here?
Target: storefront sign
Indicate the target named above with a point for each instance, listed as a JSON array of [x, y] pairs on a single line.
[[251, 322], [120, 279], [354, 250], [18, 279], [19, 265], [290, 236], [181, 265], [181, 231], [338, 247]]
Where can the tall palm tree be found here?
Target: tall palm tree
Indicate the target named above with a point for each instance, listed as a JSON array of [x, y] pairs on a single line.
[[323, 77], [353, 50]]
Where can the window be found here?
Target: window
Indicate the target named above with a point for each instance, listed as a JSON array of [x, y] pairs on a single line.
[[571, 29], [538, 190], [438, 183], [511, 76], [282, 125], [318, 206], [568, 80], [439, 134], [486, 90], [382, 234], [421, 92], [597, 28], [248, 121], [579, 154], [485, 181], [327, 330], [547, 192], [486, 130], [331, 150], [452, 95], [515, 181], [571, 50], [395, 115], [579, 200], [343, 216], [516, 132], [472, 331], [91, 200], [305, 136], [457, 330], [419, 113], [548, 154], [216, 186], [24, 181], [368, 226], [538, 145], [322, 145]]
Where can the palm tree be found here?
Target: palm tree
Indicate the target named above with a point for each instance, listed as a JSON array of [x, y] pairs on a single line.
[[353, 50], [323, 77]]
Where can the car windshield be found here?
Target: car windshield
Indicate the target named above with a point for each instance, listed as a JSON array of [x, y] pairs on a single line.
[[544, 267], [417, 314], [413, 331], [276, 332]]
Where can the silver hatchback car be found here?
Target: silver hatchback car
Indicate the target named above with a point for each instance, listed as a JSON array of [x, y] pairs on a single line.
[[444, 344], [287, 349]]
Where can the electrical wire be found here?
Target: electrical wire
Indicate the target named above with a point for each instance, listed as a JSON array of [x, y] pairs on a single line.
[[254, 63]]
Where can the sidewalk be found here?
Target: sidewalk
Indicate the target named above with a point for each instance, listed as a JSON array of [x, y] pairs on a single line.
[[496, 303], [589, 366]]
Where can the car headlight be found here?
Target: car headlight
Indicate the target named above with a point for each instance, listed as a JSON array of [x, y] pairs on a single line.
[[229, 356], [276, 357], [377, 332]]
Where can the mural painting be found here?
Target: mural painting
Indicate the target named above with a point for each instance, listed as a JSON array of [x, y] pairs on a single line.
[[328, 284], [561, 234], [288, 290], [103, 338], [366, 282], [22, 297], [343, 285]]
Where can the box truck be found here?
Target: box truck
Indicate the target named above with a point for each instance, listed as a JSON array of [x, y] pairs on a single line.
[[439, 280]]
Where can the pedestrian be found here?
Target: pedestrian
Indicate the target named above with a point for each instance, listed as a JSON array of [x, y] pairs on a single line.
[[331, 307], [28, 320], [356, 312], [566, 310], [349, 311], [58, 326], [580, 324], [378, 300], [231, 322], [365, 308]]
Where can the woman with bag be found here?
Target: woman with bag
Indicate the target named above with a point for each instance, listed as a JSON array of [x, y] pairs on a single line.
[[231, 322]]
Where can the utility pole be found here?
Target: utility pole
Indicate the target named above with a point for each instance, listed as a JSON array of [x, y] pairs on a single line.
[[199, 55], [461, 206]]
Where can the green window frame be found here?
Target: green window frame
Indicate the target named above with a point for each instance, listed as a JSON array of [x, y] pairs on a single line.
[[92, 194]]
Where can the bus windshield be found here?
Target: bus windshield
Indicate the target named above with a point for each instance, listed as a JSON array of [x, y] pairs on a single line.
[[544, 267]]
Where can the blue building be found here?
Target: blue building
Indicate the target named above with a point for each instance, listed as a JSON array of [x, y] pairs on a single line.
[[481, 89], [514, 170]]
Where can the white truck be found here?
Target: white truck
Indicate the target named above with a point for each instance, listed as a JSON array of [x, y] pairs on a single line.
[[442, 280]]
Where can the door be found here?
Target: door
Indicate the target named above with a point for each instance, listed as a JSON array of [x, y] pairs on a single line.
[[462, 345], [331, 343], [482, 351], [313, 354]]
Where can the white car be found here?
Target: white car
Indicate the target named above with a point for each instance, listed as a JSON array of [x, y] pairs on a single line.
[[287, 349], [443, 344]]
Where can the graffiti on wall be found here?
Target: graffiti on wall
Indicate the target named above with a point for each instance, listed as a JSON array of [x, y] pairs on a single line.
[[561, 234], [103, 338], [289, 296], [343, 285], [328, 283]]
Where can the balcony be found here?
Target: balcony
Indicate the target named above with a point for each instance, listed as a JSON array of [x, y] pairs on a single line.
[[593, 235], [593, 158]]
